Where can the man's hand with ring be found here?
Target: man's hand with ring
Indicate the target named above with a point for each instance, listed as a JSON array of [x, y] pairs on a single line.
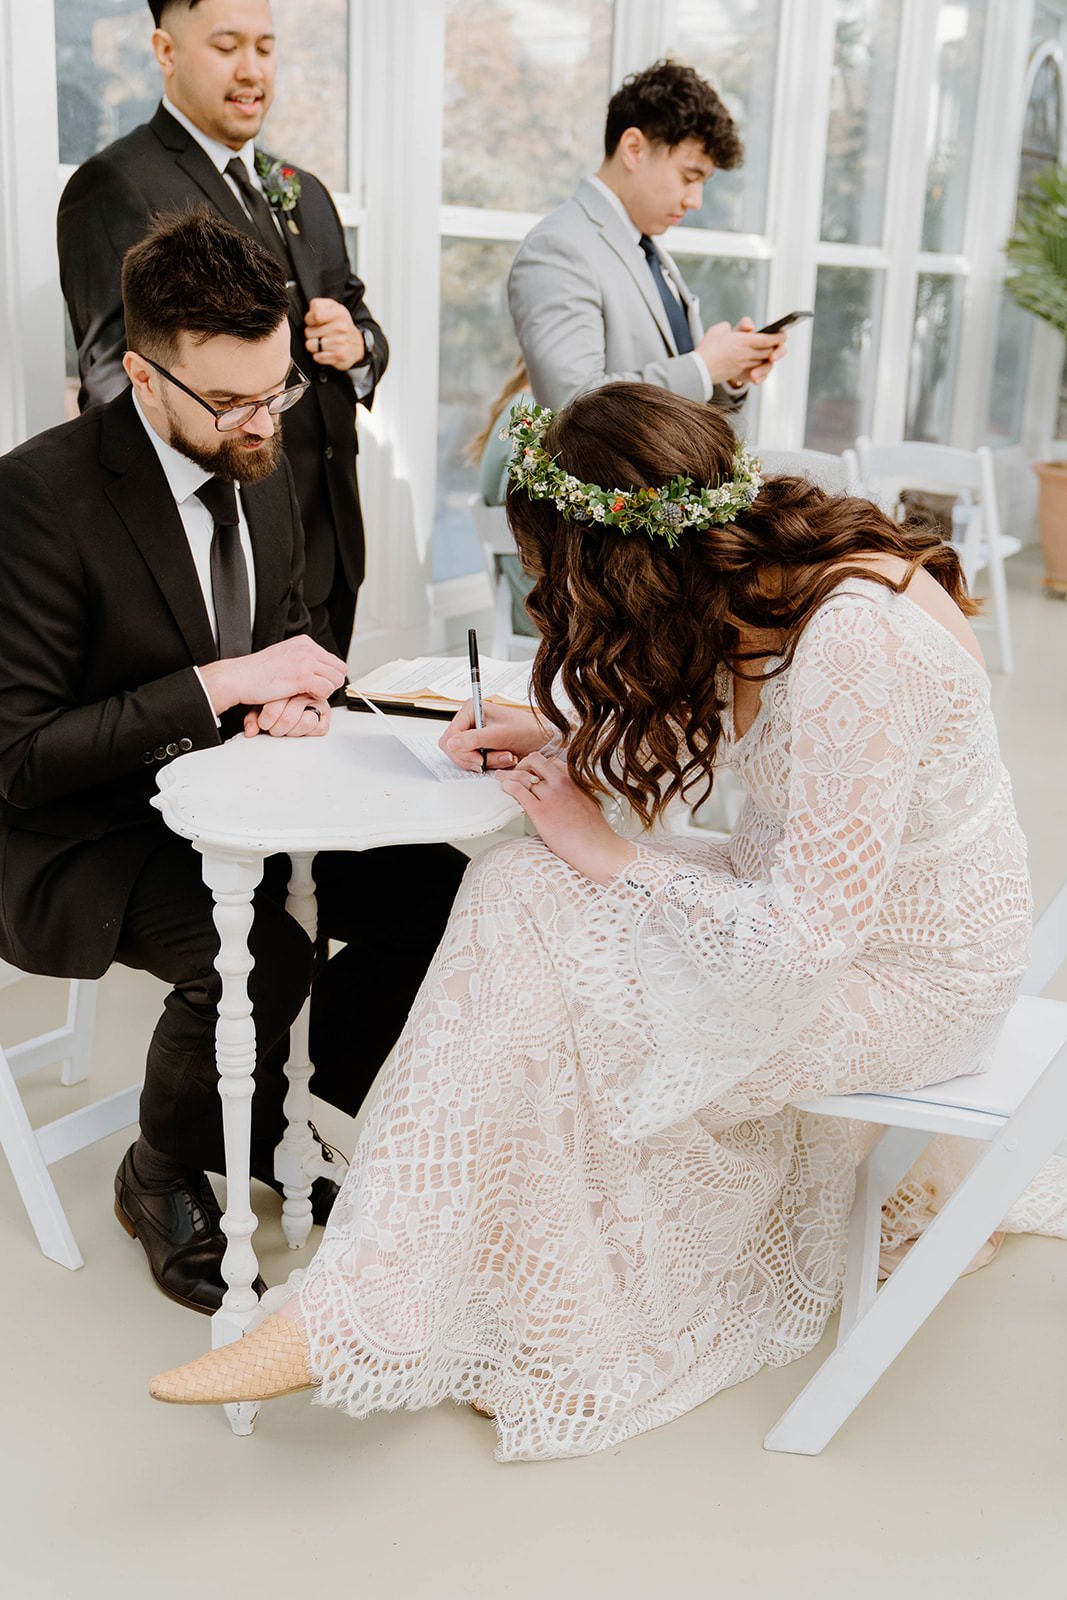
[[331, 336], [299, 717]]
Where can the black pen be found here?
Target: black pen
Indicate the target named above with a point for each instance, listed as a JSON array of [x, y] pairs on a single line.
[[476, 690]]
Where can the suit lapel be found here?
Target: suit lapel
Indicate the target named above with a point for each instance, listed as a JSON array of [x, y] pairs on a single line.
[[601, 212], [306, 264], [142, 497], [201, 170], [268, 511]]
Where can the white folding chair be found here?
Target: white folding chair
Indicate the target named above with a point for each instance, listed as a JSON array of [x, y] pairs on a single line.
[[1018, 1108], [835, 474], [494, 536], [968, 475], [30, 1152]]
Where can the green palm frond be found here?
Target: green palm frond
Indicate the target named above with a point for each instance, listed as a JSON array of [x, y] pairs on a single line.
[[1038, 250]]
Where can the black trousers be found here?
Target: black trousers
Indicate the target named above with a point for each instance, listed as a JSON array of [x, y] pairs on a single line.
[[390, 907]]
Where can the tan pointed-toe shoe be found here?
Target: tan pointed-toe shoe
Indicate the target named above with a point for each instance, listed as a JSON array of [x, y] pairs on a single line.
[[270, 1361]]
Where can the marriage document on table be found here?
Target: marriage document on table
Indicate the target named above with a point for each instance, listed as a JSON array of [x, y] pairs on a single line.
[[440, 684]]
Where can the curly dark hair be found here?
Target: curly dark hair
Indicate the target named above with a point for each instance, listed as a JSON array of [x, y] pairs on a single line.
[[635, 633], [670, 103]]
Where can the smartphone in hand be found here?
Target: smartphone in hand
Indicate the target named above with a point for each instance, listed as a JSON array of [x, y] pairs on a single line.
[[785, 322]]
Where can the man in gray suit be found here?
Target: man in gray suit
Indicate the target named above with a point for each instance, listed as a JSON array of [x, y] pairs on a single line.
[[594, 299]]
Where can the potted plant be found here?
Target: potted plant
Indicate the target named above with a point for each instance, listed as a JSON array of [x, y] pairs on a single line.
[[1038, 249]]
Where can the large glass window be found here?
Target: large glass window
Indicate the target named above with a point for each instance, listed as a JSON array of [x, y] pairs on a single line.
[[866, 43], [108, 81], [526, 89], [934, 349], [845, 333], [1043, 124], [478, 349], [1010, 357], [950, 136], [735, 46], [727, 287]]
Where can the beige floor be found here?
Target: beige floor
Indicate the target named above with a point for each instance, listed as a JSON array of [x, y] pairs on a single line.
[[949, 1481]]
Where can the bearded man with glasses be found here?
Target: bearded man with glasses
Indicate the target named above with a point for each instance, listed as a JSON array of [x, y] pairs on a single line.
[[217, 59], [150, 604]]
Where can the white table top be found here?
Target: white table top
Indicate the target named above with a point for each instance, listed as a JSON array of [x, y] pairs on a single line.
[[355, 789]]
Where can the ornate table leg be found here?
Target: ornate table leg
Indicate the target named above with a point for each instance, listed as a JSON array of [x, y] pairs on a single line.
[[232, 880], [296, 1161]]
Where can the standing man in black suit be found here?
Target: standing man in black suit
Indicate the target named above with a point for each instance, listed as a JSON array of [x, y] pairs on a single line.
[[217, 59], [150, 602]]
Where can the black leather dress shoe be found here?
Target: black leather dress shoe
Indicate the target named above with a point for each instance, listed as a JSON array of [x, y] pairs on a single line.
[[179, 1226], [324, 1191]]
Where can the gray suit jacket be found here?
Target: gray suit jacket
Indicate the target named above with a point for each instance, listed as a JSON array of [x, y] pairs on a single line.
[[587, 312]]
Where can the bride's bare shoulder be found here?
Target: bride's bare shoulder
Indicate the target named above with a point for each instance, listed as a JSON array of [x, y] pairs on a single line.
[[928, 594]]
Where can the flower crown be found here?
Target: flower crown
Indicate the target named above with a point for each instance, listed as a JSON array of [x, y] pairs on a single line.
[[664, 513]]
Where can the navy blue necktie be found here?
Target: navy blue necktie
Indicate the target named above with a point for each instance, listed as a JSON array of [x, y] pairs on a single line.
[[675, 310]]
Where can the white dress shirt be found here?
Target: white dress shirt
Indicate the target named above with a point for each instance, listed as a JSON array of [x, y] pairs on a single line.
[[635, 233], [221, 155], [184, 478]]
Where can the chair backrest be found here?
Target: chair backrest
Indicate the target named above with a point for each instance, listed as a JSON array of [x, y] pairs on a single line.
[[914, 465], [491, 526], [836, 474], [886, 469]]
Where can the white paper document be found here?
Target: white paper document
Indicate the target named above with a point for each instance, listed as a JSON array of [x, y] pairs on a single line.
[[448, 678], [422, 743]]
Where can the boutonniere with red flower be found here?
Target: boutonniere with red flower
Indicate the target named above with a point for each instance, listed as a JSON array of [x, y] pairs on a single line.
[[281, 185]]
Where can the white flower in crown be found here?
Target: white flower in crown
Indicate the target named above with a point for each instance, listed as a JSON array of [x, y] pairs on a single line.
[[664, 512]]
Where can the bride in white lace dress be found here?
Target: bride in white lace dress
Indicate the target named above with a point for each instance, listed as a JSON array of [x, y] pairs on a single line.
[[582, 1198]]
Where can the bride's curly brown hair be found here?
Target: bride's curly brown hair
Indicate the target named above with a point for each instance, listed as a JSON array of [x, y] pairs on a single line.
[[635, 632]]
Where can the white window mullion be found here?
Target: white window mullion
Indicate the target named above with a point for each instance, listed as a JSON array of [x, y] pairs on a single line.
[[400, 254], [905, 203], [639, 33], [990, 200], [794, 203]]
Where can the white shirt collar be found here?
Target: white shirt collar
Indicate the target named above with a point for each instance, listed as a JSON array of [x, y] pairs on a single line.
[[183, 476], [630, 225], [220, 154]]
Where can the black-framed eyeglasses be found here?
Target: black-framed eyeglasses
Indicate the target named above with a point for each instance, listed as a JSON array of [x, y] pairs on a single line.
[[229, 417]]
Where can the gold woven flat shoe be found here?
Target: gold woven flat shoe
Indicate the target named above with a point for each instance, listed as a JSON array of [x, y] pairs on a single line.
[[270, 1361]]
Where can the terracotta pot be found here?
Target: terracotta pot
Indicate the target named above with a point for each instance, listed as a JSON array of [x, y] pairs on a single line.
[[1052, 521]]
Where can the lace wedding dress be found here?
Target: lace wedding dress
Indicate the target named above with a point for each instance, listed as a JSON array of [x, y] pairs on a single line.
[[582, 1196]]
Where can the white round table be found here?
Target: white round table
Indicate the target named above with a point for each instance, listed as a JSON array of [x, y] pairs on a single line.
[[356, 789]]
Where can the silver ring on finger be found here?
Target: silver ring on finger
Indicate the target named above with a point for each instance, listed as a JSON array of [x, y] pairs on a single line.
[[315, 712], [535, 778]]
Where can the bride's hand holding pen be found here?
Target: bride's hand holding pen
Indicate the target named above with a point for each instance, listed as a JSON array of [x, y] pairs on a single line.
[[508, 734]]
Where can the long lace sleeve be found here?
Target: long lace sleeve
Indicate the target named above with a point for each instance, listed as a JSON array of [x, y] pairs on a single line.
[[703, 975]]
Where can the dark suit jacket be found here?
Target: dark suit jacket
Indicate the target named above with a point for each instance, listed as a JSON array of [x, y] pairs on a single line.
[[102, 620], [107, 207]]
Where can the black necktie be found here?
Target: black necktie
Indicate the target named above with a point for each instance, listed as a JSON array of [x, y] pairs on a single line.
[[229, 573], [260, 212], [675, 310]]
